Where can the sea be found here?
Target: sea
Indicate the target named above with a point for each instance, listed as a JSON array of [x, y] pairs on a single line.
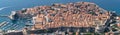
[[6, 6]]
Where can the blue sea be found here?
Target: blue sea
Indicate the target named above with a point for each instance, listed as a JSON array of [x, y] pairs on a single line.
[[6, 6]]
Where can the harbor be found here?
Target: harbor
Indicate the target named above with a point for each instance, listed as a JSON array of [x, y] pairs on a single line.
[[70, 18]]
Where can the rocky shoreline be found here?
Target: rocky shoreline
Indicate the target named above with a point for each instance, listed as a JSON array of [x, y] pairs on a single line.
[[59, 12], [76, 15]]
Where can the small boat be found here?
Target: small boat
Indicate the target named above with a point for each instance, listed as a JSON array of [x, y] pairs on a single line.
[[3, 23], [3, 8]]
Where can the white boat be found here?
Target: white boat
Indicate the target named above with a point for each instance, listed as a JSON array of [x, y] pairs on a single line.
[[3, 8], [1, 24]]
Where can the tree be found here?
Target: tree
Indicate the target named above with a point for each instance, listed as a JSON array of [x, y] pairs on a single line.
[[93, 13]]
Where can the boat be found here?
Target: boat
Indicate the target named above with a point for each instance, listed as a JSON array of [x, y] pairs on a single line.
[[3, 23]]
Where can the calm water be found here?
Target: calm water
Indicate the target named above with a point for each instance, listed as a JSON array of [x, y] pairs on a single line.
[[6, 6]]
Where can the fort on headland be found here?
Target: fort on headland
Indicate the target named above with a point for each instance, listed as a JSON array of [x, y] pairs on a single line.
[[77, 17]]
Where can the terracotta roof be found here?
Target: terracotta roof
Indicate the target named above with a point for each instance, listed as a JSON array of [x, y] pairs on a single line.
[[82, 14]]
